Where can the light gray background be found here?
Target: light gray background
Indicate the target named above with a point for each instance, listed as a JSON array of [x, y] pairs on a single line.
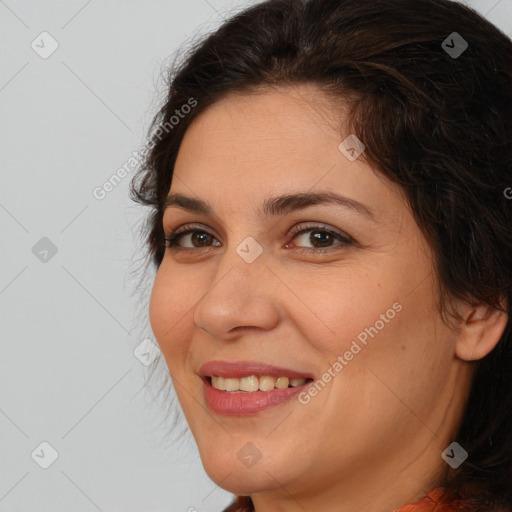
[[70, 321]]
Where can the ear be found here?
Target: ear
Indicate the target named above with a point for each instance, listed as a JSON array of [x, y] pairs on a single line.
[[480, 331]]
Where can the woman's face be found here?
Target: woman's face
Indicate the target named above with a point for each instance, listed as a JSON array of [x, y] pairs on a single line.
[[339, 293]]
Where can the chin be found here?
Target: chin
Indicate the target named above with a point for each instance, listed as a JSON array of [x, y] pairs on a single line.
[[237, 477], [243, 482]]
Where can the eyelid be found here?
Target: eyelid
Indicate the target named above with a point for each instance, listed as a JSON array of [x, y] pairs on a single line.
[[319, 226], [189, 227], [185, 230]]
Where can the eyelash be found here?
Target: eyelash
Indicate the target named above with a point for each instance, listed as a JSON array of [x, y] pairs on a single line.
[[171, 241]]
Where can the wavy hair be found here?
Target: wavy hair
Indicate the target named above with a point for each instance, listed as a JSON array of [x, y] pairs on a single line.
[[436, 123]]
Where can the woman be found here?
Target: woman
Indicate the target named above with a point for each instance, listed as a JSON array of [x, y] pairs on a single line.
[[332, 237]]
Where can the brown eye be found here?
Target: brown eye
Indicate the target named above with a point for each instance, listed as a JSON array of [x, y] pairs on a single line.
[[195, 239], [319, 238]]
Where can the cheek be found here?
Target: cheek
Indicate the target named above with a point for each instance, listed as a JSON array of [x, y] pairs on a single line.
[[170, 302], [338, 308], [159, 308], [382, 323]]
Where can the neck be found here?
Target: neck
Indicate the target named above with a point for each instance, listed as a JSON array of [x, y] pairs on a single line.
[[384, 489]]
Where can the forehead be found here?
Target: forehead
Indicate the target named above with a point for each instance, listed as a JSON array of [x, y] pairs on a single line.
[[273, 117], [253, 146], [263, 133]]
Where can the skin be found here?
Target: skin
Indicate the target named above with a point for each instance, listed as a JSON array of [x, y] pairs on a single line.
[[372, 439]]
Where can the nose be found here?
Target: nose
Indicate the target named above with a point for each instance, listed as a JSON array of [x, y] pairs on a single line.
[[240, 296]]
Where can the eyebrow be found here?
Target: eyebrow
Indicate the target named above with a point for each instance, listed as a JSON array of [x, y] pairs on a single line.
[[275, 205]]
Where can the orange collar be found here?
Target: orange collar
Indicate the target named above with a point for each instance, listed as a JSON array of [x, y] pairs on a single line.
[[434, 501]]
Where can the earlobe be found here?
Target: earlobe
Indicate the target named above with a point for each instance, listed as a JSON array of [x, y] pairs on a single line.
[[480, 332]]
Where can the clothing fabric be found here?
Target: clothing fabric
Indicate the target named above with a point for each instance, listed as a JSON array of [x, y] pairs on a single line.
[[434, 501]]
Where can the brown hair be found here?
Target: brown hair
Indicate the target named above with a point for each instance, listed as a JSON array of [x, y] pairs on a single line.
[[436, 123]]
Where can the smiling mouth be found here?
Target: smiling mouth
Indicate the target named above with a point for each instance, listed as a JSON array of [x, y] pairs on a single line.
[[254, 383]]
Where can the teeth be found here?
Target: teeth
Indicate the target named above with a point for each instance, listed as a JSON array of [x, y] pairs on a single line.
[[232, 384], [266, 383], [282, 383], [221, 383], [253, 383], [249, 383]]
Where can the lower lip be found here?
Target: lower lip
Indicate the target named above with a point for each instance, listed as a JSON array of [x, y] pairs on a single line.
[[241, 404]]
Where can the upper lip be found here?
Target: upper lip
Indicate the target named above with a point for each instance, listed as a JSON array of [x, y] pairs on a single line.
[[239, 369]]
